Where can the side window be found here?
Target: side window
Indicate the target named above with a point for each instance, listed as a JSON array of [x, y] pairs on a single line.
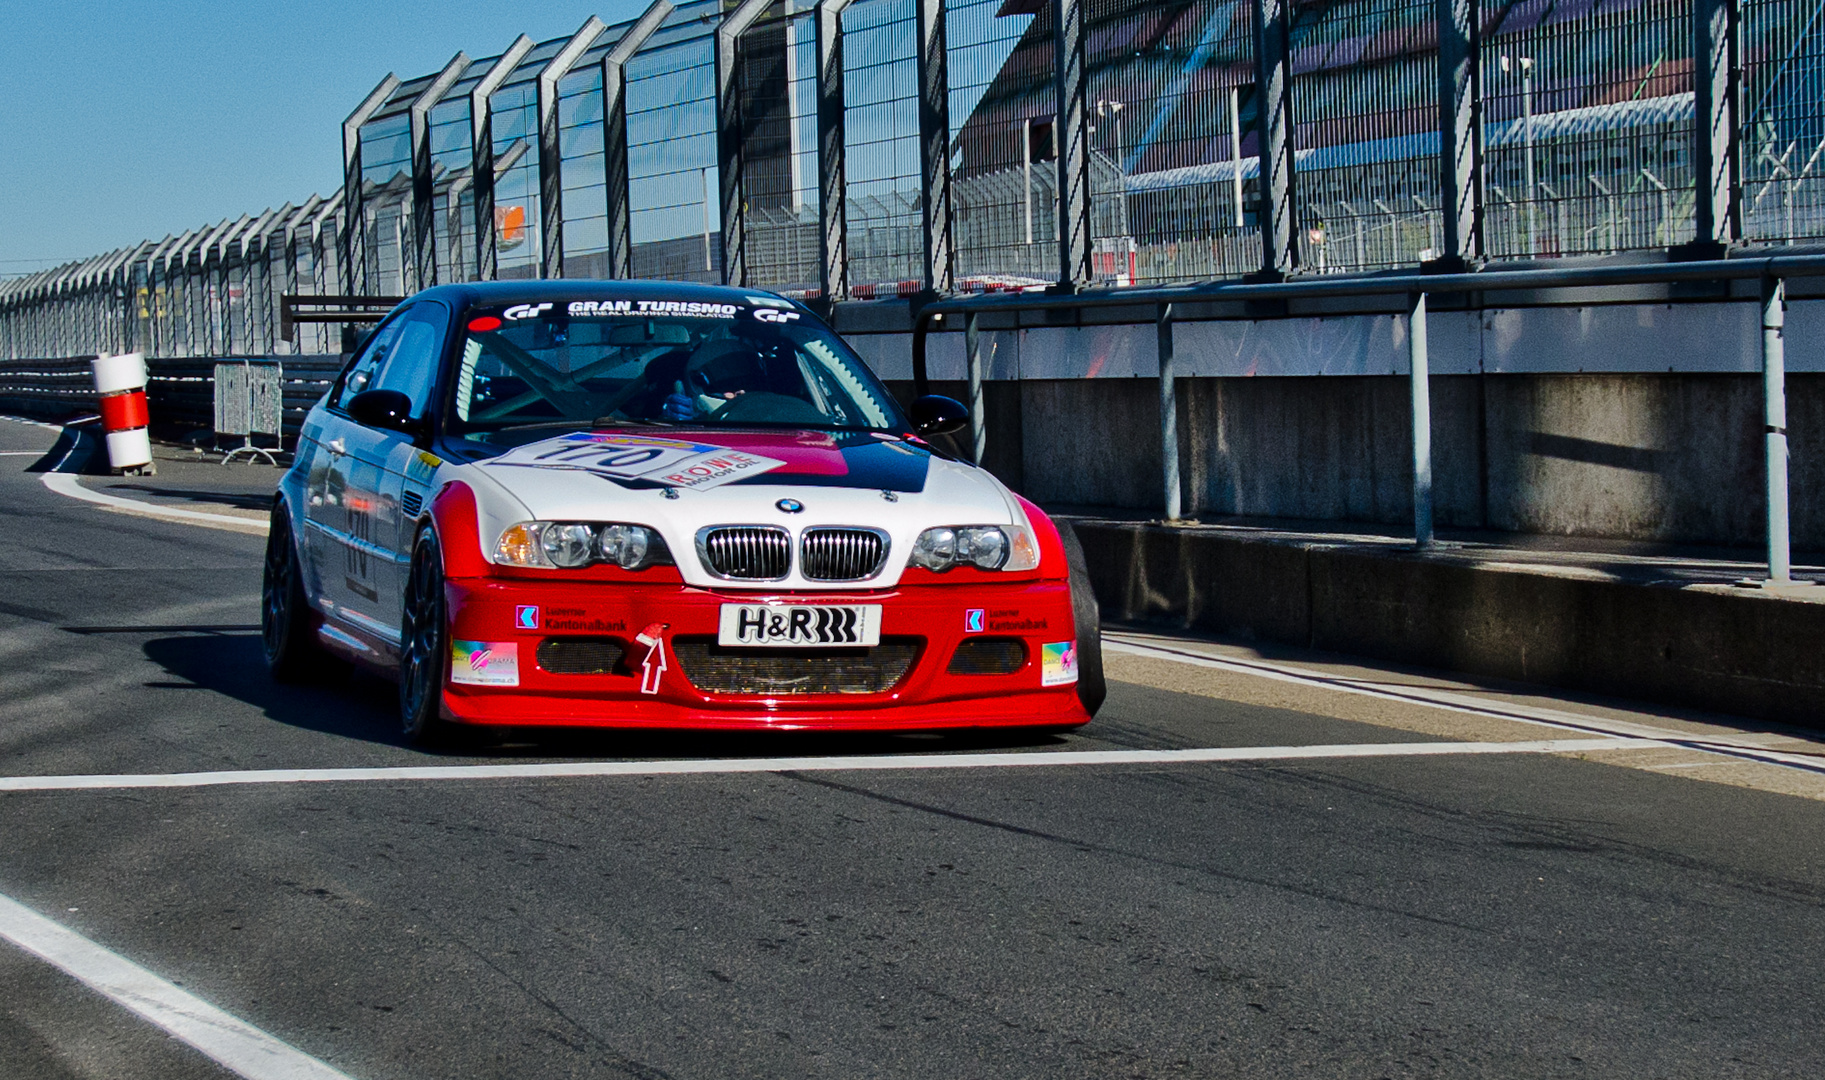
[[361, 373], [410, 365]]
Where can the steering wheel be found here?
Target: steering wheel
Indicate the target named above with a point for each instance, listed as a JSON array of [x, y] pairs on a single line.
[[764, 406]]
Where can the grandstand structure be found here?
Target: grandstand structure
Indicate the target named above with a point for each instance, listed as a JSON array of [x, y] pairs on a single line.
[[850, 150]]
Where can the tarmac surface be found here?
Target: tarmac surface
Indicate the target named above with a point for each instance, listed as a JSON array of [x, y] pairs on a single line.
[[1644, 909]]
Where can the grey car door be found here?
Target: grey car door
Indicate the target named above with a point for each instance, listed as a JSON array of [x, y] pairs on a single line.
[[333, 513], [379, 542]]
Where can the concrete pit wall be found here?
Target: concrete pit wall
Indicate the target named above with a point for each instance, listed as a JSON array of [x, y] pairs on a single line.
[[1636, 421], [1735, 651], [1673, 458]]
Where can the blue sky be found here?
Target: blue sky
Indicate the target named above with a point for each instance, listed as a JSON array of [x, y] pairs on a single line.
[[130, 121]]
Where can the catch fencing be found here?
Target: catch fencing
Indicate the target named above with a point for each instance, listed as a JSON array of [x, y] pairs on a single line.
[[864, 149]]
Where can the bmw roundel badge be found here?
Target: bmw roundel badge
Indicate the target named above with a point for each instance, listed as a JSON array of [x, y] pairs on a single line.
[[790, 506]]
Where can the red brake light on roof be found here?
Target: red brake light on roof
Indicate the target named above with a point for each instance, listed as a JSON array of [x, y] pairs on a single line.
[[484, 324]]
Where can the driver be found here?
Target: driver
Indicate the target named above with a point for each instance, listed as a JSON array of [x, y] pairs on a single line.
[[718, 372]]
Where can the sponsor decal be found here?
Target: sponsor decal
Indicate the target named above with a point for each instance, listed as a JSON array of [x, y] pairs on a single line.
[[1058, 663], [799, 624], [526, 617], [485, 663], [422, 467], [972, 621], [1010, 619], [769, 315], [653, 667], [525, 311], [484, 324], [596, 308], [693, 309], [674, 463], [576, 618]]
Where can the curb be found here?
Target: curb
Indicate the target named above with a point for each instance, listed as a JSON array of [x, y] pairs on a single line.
[[62, 479]]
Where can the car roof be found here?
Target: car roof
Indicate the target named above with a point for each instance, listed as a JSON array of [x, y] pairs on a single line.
[[490, 293]]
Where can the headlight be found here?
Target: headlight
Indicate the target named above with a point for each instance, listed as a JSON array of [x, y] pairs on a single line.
[[570, 544], [991, 547], [625, 545]]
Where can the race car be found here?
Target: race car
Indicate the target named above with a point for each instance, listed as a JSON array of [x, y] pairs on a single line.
[[658, 505]]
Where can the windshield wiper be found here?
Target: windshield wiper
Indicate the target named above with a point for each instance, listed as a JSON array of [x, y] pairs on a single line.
[[620, 421]]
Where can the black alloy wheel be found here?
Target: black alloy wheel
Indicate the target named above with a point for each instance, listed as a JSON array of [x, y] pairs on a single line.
[[424, 645], [287, 634], [1087, 614]]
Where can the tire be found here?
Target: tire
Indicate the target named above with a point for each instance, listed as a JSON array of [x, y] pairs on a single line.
[[288, 634], [1091, 687], [424, 645]]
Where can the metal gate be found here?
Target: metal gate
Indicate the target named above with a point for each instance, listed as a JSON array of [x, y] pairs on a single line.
[[248, 401]]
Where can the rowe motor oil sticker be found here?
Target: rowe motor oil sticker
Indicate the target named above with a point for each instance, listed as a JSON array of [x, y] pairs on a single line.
[[674, 463]]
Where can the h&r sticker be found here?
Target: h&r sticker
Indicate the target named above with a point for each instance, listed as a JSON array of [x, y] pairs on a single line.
[[972, 621], [526, 617]]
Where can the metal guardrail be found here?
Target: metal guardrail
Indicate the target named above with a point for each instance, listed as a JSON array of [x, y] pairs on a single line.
[[180, 391], [1771, 271]]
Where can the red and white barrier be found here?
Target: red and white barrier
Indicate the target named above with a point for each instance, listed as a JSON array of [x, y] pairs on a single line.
[[121, 383]]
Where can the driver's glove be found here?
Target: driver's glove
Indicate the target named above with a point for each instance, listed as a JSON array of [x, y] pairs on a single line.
[[679, 405]]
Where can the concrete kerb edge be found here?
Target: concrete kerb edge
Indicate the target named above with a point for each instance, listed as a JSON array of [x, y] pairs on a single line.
[[62, 479], [1740, 654]]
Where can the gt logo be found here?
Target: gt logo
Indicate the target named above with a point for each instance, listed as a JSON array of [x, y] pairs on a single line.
[[525, 311], [972, 621], [771, 316]]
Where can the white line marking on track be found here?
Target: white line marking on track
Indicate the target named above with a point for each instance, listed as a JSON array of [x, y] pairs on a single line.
[[870, 763], [21, 453], [31, 423], [65, 484], [1453, 701], [230, 1041]]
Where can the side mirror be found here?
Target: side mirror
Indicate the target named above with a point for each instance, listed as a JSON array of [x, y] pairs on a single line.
[[934, 414], [387, 409]]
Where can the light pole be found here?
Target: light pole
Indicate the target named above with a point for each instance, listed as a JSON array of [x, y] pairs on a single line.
[[1113, 110], [1026, 174], [1527, 133], [1235, 151]]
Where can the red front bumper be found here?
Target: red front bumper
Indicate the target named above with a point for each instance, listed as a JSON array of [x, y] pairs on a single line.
[[492, 612]]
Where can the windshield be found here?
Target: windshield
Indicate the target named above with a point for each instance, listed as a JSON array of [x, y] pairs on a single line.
[[661, 362]]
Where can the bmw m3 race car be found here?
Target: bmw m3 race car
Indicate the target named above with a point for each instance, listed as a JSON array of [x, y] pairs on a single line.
[[655, 505]]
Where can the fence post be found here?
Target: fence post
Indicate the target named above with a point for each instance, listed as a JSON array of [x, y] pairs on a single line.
[[1716, 123], [934, 145], [972, 344], [730, 150], [1460, 109], [1420, 383], [1169, 415], [424, 182], [614, 135], [481, 168], [1274, 118], [1071, 129], [833, 219], [1774, 410], [551, 155], [354, 237]]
